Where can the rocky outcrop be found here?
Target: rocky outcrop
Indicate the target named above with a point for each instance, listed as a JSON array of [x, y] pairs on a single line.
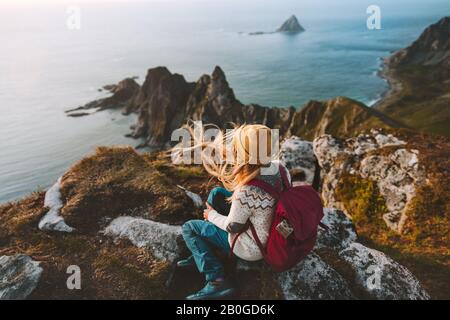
[[382, 277], [117, 181], [377, 158], [164, 108], [160, 238], [19, 276], [341, 117], [127, 210], [312, 278], [341, 231], [298, 154], [419, 78], [291, 25], [161, 105], [121, 95], [167, 101]]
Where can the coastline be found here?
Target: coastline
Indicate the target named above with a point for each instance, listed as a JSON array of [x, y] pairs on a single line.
[[395, 86]]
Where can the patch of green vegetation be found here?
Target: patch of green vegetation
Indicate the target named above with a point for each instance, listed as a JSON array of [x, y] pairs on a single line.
[[362, 200], [423, 103], [423, 246], [428, 221]]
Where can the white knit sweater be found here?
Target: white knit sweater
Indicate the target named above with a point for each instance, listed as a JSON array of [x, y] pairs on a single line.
[[250, 202]]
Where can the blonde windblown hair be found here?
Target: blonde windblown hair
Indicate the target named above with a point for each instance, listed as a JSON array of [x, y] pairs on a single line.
[[234, 157]]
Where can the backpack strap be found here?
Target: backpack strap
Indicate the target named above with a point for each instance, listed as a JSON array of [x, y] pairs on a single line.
[[267, 187], [255, 236], [233, 244], [258, 242]]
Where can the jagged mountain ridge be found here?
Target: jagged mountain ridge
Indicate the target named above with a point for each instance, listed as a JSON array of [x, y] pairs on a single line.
[[166, 101]]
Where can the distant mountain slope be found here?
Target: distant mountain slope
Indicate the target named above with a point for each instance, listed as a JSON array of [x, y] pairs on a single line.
[[341, 117], [420, 81]]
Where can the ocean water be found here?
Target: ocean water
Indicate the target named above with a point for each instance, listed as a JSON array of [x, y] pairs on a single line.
[[46, 68]]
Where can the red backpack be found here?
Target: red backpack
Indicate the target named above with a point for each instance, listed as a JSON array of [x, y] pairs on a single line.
[[298, 213]]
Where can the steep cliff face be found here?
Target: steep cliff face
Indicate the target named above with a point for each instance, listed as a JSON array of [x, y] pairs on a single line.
[[420, 81], [166, 101], [161, 105]]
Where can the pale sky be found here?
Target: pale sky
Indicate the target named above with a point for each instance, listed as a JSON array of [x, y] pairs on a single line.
[[72, 2]]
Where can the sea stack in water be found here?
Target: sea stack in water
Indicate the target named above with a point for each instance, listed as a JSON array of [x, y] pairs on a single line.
[[291, 25]]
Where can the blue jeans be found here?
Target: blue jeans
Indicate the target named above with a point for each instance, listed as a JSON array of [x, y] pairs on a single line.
[[202, 236]]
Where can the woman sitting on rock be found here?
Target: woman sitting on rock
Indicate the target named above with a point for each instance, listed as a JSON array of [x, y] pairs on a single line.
[[230, 209]]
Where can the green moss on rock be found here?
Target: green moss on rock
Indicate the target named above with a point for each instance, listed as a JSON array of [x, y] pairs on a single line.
[[362, 200]]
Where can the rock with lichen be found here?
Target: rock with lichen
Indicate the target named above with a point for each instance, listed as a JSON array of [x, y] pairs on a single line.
[[298, 156], [341, 231], [160, 238], [381, 158], [313, 279], [19, 276], [380, 276]]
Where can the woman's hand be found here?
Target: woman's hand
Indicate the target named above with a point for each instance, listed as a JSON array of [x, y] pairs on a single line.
[[206, 211]]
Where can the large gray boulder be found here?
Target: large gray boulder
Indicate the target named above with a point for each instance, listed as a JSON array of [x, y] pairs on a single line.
[[380, 276], [341, 230], [297, 153], [313, 279], [19, 276], [160, 238]]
